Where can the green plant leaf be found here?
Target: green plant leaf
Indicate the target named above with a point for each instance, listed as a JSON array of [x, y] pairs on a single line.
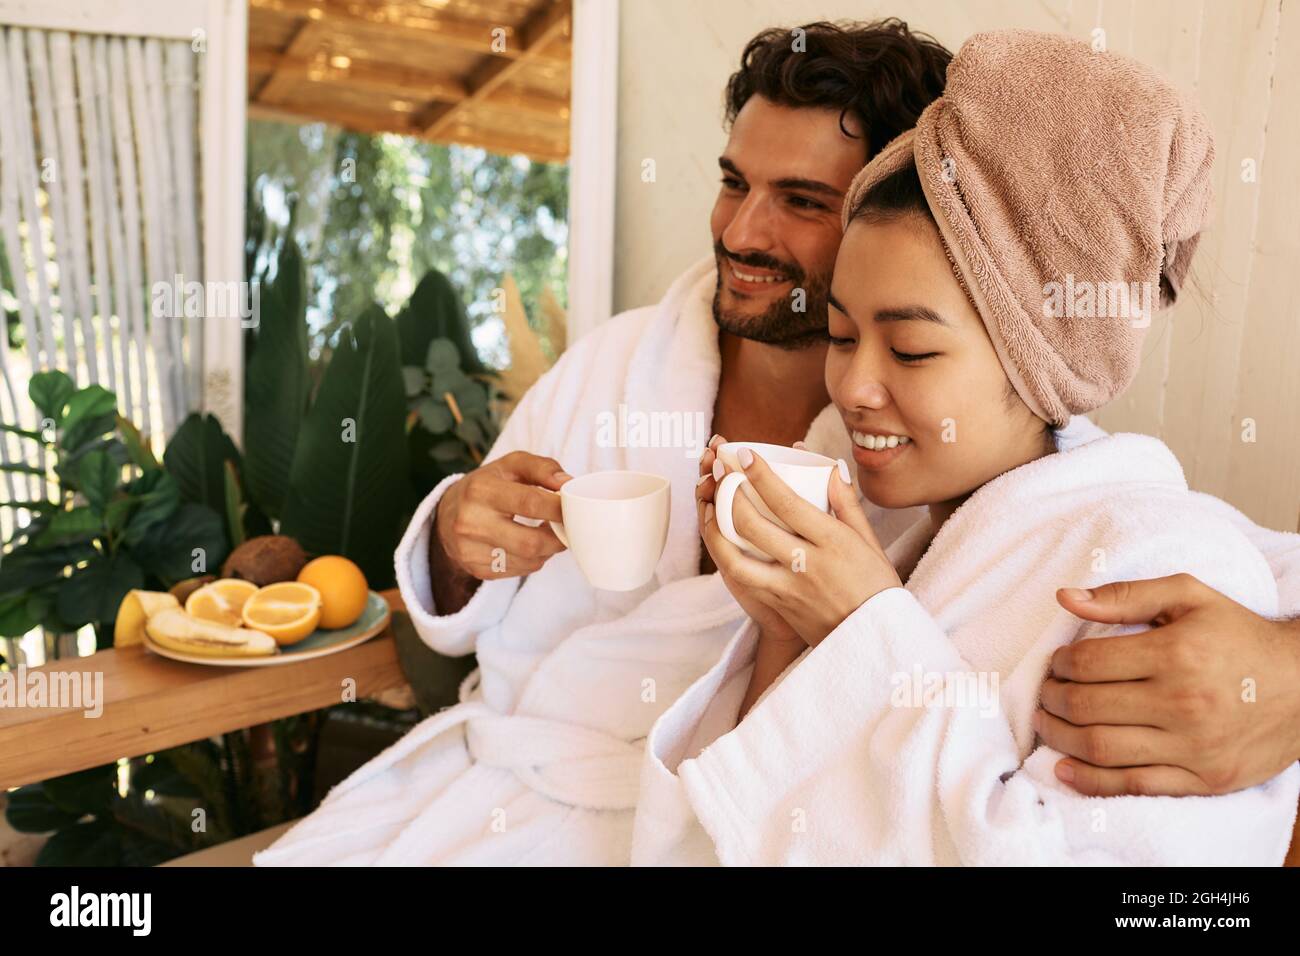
[[30, 810], [233, 507], [64, 527], [414, 380], [276, 385], [435, 311], [92, 843], [49, 392], [196, 456], [156, 496], [138, 449], [17, 615], [97, 480], [348, 497], [22, 432], [435, 416], [91, 412], [448, 450], [30, 567], [93, 593], [86, 791], [89, 431], [442, 358], [168, 548]]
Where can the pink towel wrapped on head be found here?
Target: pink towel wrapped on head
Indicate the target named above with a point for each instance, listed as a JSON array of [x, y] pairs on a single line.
[[1065, 183]]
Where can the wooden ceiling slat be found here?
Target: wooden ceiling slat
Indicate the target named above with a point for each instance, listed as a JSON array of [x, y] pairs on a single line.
[[412, 84], [472, 35], [303, 42], [544, 27], [378, 78]]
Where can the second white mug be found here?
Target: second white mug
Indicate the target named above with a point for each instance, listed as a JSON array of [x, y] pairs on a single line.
[[806, 472]]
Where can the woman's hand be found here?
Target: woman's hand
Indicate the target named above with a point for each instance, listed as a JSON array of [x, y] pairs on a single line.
[[771, 625], [821, 573]]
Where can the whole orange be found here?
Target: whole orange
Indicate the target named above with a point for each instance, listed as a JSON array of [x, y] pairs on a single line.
[[342, 588]]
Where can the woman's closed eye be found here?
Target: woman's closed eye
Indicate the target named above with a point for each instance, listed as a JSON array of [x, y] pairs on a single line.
[[911, 358]]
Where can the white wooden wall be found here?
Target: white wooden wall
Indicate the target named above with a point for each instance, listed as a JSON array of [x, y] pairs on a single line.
[[1229, 354]]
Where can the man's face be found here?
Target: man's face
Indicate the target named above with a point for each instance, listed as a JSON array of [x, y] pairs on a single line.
[[776, 222]]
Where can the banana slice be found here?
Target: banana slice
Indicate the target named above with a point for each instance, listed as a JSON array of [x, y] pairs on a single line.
[[178, 631], [137, 607]]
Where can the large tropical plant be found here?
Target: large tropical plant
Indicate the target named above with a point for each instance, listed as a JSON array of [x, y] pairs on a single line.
[[330, 468]]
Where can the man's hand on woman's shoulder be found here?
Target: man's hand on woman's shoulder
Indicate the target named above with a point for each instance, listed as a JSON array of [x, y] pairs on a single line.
[[1206, 702]]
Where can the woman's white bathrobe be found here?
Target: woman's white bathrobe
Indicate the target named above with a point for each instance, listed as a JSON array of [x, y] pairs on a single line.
[[857, 755], [540, 762]]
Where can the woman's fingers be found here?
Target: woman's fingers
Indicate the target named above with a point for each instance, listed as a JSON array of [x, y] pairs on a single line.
[[752, 525], [803, 518], [731, 561], [845, 505]]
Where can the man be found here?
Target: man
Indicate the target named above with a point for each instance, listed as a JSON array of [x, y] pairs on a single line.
[[541, 761]]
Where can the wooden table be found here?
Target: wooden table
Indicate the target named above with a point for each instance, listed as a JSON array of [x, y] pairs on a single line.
[[151, 703]]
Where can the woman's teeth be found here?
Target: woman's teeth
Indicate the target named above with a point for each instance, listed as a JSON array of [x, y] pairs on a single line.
[[753, 278], [879, 442]]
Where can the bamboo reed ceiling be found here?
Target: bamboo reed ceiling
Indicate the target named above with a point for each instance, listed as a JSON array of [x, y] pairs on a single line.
[[490, 73]]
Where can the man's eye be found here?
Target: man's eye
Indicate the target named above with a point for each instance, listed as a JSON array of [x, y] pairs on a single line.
[[799, 202], [912, 357], [731, 182]]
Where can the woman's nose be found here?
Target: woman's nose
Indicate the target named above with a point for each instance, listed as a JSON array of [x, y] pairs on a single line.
[[862, 388]]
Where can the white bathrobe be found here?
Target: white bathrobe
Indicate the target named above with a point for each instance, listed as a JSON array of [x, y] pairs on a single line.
[[905, 737], [540, 762]]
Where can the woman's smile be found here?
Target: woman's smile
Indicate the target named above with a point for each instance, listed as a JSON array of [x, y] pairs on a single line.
[[876, 452]]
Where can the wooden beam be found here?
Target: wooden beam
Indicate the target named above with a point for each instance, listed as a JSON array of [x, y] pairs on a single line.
[[538, 32], [303, 43], [379, 79], [463, 34], [395, 81]]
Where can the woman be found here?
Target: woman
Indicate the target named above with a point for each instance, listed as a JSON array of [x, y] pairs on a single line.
[[997, 275]]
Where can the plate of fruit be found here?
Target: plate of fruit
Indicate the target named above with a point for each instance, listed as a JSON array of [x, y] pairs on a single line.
[[270, 606]]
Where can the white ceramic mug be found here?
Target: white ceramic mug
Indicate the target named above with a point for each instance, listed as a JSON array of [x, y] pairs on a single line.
[[616, 524], [806, 472]]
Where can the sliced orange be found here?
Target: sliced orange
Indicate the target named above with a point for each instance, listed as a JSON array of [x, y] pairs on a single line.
[[221, 602], [287, 611]]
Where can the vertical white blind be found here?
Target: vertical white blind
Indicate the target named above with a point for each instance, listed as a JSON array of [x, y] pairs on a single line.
[[99, 200]]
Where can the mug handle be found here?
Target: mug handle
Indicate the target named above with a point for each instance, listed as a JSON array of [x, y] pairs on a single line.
[[559, 532], [722, 502]]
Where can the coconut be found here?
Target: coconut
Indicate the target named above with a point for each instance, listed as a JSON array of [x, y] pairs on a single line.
[[266, 559]]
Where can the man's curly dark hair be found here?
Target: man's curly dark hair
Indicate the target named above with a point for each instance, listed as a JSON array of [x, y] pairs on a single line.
[[882, 73]]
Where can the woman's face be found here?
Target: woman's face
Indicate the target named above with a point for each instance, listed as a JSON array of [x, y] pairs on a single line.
[[911, 365]]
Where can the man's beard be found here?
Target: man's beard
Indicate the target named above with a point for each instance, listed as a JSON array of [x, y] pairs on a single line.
[[780, 325]]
